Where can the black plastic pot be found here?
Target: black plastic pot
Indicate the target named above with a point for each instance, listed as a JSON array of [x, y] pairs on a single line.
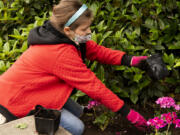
[[47, 121]]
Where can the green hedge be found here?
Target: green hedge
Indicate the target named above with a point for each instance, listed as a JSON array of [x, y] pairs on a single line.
[[138, 27]]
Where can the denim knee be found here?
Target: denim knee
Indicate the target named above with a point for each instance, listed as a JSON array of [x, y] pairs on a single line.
[[78, 128], [71, 123], [73, 107]]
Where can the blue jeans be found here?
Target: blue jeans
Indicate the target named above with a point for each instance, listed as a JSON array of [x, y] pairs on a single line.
[[70, 114]]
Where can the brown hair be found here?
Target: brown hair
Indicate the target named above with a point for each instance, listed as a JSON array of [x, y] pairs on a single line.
[[64, 11]]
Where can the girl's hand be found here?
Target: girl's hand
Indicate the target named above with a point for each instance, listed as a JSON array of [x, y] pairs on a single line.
[[155, 67]]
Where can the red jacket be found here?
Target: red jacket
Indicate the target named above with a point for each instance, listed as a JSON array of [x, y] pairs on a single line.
[[47, 74]]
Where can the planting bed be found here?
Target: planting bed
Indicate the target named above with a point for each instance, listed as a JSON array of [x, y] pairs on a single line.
[[120, 125]]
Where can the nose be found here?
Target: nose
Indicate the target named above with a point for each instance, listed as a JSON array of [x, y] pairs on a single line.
[[88, 30]]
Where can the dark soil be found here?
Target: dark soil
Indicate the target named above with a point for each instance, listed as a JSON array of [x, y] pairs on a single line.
[[120, 125]]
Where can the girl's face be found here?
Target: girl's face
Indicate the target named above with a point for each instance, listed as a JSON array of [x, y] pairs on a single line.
[[82, 30]]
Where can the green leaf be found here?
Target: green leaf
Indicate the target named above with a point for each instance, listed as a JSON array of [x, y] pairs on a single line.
[[124, 93], [171, 59], [134, 10], [158, 10], [145, 83], [161, 24], [100, 26], [120, 92], [27, 1], [175, 45], [16, 32], [137, 77], [93, 65], [8, 64], [165, 58], [100, 73], [1, 42], [2, 66], [77, 95], [145, 51], [177, 64], [158, 93], [36, 5], [14, 45], [138, 31], [80, 94], [21, 11], [103, 127], [24, 46], [154, 34], [94, 7], [94, 36], [159, 47], [22, 125], [138, 1], [1, 4], [170, 80], [149, 23], [119, 34], [177, 90], [17, 37], [131, 47], [6, 47], [105, 36], [129, 17], [103, 120], [134, 98], [139, 47], [120, 67]]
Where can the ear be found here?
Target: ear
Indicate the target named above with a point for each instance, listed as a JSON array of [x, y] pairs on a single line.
[[67, 31]]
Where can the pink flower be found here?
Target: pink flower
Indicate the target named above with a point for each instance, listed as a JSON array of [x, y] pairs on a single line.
[[118, 133], [174, 115], [156, 122], [92, 103], [165, 102], [167, 118], [177, 122], [177, 107]]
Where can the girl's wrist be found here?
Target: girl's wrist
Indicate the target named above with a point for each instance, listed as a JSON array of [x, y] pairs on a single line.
[[126, 60], [124, 110], [136, 60], [129, 60]]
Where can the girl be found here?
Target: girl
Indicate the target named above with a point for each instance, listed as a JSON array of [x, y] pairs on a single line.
[[48, 71]]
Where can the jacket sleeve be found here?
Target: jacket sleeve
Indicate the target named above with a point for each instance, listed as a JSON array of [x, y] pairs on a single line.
[[102, 54], [70, 68]]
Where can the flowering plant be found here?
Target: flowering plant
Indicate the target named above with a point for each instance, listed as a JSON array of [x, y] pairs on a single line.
[[102, 119], [92, 104], [165, 119]]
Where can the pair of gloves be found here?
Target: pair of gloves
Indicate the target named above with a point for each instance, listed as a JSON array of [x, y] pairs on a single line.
[[156, 69]]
